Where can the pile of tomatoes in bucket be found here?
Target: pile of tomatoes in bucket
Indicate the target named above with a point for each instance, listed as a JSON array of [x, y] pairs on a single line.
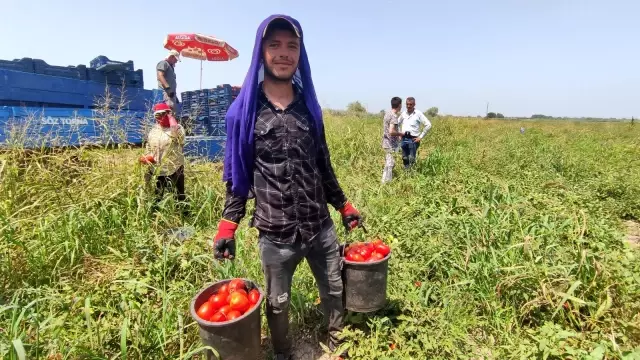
[[367, 251], [230, 302]]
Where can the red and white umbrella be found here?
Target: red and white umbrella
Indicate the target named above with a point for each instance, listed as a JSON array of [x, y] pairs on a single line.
[[200, 47]]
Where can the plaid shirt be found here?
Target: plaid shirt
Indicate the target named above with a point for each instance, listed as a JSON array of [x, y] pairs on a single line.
[[293, 179]]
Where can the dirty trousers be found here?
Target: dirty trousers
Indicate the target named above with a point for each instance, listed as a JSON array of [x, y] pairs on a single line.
[[279, 262]]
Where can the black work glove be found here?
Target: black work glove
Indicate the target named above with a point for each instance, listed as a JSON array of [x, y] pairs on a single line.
[[224, 244], [224, 249]]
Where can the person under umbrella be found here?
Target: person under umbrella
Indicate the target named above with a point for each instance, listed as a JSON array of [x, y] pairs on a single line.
[[166, 74], [276, 152]]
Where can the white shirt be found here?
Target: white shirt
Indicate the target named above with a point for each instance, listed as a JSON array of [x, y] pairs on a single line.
[[411, 123], [166, 149]]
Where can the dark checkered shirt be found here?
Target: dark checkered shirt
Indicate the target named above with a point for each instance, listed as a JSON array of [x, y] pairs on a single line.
[[292, 178]]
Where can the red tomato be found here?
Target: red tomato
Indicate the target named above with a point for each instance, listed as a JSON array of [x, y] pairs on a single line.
[[254, 296], [236, 284], [218, 300], [239, 302], [365, 252], [350, 256], [206, 311], [225, 310], [218, 317], [357, 258], [224, 288], [150, 158], [234, 314], [376, 242], [377, 256], [383, 249]]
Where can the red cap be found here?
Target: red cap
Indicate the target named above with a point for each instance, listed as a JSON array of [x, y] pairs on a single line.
[[160, 107]]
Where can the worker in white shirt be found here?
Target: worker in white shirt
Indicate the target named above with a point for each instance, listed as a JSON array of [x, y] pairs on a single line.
[[165, 143], [410, 122]]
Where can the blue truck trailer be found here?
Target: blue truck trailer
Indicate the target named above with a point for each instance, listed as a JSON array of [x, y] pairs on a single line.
[[44, 105]]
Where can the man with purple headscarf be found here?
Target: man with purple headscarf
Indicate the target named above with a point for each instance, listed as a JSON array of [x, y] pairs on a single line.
[[276, 152]]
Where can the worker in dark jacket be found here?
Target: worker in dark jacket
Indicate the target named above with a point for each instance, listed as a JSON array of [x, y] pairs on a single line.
[[276, 151]]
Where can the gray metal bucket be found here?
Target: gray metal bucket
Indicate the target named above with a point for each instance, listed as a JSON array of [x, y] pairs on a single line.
[[365, 284], [238, 339]]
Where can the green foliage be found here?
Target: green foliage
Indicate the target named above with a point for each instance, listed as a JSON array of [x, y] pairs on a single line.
[[356, 108], [516, 241], [491, 115], [499, 116], [432, 112]]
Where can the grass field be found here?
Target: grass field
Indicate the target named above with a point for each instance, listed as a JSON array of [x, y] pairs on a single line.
[[506, 246]]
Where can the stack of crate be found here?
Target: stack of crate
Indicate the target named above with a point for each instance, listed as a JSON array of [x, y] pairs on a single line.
[[195, 110], [205, 110]]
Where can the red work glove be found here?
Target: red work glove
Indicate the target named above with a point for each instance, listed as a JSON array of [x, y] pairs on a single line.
[[351, 217], [224, 244]]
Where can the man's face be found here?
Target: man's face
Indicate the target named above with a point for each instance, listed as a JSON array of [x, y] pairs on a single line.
[[281, 54], [172, 60], [411, 104]]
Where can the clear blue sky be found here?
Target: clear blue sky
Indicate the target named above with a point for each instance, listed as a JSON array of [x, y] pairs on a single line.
[[555, 57]]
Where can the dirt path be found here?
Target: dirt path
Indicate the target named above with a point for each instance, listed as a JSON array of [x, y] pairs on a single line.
[[633, 233], [306, 345]]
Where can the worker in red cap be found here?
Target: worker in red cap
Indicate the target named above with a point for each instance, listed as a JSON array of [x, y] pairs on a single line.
[[165, 157]]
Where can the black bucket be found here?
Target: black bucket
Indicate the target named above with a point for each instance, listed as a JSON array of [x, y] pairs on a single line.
[[238, 339], [365, 284]]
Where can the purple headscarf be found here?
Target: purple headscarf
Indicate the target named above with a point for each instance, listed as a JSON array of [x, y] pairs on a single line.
[[241, 116]]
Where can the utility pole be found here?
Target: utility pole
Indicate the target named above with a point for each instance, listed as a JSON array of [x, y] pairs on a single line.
[[486, 113]]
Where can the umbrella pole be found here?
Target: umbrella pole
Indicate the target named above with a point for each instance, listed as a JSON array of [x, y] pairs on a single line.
[[200, 74]]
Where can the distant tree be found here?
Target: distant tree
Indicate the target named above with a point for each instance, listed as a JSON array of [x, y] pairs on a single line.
[[540, 116], [356, 108], [491, 115], [432, 112], [499, 116], [382, 112]]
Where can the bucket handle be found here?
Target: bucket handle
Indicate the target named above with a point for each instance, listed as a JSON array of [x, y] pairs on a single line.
[[344, 246]]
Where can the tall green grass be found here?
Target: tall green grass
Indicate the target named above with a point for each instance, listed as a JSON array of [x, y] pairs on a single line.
[[506, 246]]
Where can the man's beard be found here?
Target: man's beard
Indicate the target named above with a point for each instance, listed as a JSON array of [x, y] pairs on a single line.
[[268, 73]]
